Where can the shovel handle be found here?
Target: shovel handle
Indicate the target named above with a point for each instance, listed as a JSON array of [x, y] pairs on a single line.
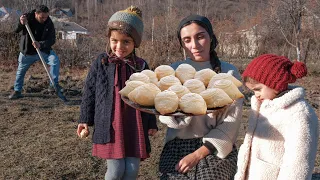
[[60, 95], [40, 55]]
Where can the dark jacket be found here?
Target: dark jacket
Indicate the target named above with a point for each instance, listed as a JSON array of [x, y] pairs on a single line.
[[97, 103], [46, 37]]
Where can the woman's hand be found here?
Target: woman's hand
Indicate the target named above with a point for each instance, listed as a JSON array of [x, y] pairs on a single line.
[[82, 126], [152, 132], [187, 163], [191, 160]]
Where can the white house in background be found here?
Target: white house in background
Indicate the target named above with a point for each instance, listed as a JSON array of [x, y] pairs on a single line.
[[68, 30]]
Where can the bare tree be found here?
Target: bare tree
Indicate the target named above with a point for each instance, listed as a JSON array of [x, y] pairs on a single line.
[[288, 15]]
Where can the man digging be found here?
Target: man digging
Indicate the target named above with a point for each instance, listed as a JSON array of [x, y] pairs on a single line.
[[44, 34]]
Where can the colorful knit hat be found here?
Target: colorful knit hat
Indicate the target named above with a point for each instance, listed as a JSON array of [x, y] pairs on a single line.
[[274, 71], [129, 21]]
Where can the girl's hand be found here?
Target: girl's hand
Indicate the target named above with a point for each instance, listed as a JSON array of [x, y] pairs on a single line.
[[80, 127], [187, 163], [152, 132]]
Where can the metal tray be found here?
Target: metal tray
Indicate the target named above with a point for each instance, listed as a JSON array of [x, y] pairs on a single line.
[[152, 110]]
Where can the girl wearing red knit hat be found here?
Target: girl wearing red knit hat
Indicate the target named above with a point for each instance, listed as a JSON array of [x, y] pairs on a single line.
[[282, 136]]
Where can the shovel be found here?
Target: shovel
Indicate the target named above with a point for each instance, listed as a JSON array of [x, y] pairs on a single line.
[[59, 93]]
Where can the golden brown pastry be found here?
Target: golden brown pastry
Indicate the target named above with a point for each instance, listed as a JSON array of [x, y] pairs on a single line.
[[194, 85], [185, 72], [216, 97], [164, 70], [204, 75], [130, 86], [84, 133], [193, 103], [166, 102], [179, 90], [152, 76], [145, 94], [227, 76], [138, 77], [228, 87], [168, 81]]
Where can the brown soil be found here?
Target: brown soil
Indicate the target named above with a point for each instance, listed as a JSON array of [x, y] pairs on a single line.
[[38, 139]]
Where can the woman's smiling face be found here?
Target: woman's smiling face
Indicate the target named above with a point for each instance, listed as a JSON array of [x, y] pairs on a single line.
[[196, 42]]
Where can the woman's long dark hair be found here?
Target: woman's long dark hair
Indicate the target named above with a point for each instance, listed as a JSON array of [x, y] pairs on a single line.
[[214, 60]]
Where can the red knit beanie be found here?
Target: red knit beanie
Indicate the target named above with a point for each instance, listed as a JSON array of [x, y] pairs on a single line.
[[274, 71]]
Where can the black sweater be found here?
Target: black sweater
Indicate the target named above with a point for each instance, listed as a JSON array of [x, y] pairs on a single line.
[[97, 100], [44, 33]]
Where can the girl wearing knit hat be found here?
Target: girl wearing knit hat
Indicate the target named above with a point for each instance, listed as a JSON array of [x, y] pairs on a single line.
[[282, 135], [120, 132], [201, 147]]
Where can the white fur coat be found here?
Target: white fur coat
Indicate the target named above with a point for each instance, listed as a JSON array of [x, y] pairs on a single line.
[[281, 140]]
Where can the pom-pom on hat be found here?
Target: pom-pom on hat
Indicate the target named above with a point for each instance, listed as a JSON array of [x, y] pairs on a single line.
[[129, 21], [274, 71]]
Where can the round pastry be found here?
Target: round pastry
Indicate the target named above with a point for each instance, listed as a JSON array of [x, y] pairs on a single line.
[[164, 70], [227, 76], [193, 103], [138, 77], [84, 133], [145, 94], [185, 72], [179, 90], [130, 86], [204, 75], [228, 87], [166, 102], [194, 85], [215, 97], [152, 75], [168, 81]]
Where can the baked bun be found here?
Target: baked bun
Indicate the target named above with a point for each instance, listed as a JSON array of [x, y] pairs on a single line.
[[166, 102], [227, 76], [215, 97], [185, 72], [194, 85], [179, 90], [164, 70], [138, 77], [168, 81], [130, 86], [152, 75], [144, 95], [205, 75], [193, 103], [228, 87]]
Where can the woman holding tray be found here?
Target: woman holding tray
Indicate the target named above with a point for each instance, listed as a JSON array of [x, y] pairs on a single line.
[[201, 147]]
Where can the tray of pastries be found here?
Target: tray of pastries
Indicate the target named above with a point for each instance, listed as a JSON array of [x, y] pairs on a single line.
[[180, 92]]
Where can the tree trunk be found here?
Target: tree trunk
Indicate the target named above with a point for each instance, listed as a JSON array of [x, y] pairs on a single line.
[[88, 11], [76, 9]]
